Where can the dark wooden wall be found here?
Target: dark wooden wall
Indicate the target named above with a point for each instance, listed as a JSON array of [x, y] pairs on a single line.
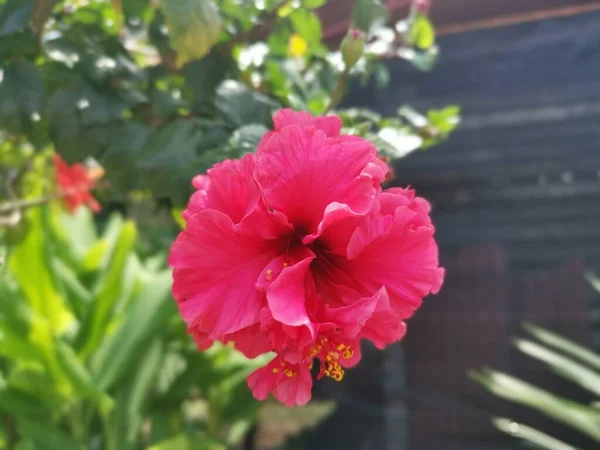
[[516, 193]]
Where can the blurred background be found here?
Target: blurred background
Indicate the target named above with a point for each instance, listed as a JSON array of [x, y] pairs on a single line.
[[490, 110]]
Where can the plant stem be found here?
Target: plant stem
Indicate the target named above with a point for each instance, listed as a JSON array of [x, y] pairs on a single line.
[[336, 96], [109, 437]]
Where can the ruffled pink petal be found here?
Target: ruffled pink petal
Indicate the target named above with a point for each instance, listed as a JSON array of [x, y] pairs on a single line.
[[289, 341], [227, 187], [396, 251], [286, 296], [316, 181], [250, 341], [292, 389], [295, 391], [330, 125], [215, 269], [348, 321], [202, 340], [383, 327]]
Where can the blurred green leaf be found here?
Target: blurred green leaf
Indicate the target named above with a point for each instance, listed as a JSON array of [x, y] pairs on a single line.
[[562, 365], [79, 376], [530, 435], [368, 14], [29, 265], [277, 423], [147, 316], [240, 105], [582, 418], [312, 4], [422, 33], [194, 27], [106, 293], [245, 139], [565, 345], [129, 414], [196, 441], [307, 25], [48, 437], [22, 97], [15, 15]]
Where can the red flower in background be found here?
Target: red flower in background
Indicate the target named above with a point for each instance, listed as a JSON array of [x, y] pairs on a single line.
[[75, 183], [297, 250]]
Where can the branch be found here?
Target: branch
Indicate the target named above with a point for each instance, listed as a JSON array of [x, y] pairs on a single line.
[[336, 96]]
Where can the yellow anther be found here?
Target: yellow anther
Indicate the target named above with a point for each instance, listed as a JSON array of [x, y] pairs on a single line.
[[310, 366], [269, 275], [275, 370], [289, 373], [282, 363], [348, 353], [341, 347]]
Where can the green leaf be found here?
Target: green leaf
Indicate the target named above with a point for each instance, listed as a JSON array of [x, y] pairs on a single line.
[[562, 365], [307, 25], [245, 139], [580, 417], [569, 347], [107, 293], [47, 437], [15, 15], [240, 105], [368, 14], [129, 414], [80, 118], [194, 27], [422, 60], [422, 33], [146, 318], [29, 265], [195, 441], [78, 297], [80, 378], [312, 4], [277, 420], [123, 154], [204, 76], [530, 435], [19, 404], [22, 97], [171, 159], [176, 212], [75, 232]]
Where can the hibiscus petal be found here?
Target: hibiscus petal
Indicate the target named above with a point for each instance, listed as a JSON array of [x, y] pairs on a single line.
[[292, 389], [316, 181], [227, 187], [397, 252], [286, 296], [215, 269], [348, 321], [330, 125]]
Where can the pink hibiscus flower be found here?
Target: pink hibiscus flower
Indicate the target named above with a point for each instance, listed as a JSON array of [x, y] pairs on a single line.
[[297, 250]]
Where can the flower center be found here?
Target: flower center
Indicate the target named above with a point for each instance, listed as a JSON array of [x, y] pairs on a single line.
[[329, 354]]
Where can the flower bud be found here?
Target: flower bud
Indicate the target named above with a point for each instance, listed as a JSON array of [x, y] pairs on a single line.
[[421, 6], [352, 48]]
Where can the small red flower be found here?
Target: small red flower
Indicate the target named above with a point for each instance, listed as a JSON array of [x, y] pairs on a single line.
[[75, 183], [297, 250]]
